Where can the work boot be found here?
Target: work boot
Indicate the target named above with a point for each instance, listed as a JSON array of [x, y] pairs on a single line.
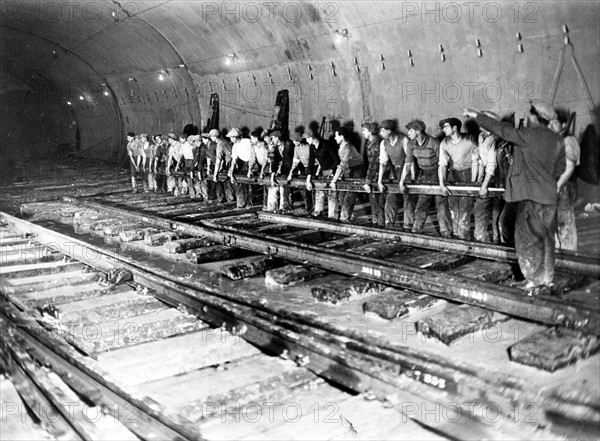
[[134, 185]]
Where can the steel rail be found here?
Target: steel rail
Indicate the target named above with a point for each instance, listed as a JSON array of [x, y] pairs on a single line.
[[357, 362], [568, 261], [504, 299], [463, 189], [140, 418]]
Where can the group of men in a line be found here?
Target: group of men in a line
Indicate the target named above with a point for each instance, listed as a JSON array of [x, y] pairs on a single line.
[[534, 165]]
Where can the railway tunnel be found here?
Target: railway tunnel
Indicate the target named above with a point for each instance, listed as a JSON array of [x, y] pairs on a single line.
[[225, 319]]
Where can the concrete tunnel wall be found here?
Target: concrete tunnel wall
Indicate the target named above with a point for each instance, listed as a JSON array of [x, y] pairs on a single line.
[[349, 61]]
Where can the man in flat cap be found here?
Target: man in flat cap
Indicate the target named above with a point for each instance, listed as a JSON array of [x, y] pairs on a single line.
[[458, 163], [424, 150], [538, 162]]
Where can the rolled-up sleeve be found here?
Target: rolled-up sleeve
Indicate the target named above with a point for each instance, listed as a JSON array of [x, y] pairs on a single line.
[[383, 155], [443, 160]]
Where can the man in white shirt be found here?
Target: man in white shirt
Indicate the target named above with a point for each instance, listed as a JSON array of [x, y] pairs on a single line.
[[243, 160], [459, 155], [486, 151]]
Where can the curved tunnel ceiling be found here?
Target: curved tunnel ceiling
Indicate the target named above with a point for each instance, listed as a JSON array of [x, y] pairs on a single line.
[[151, 66]]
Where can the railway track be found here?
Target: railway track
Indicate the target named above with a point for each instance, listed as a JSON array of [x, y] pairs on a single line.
[[433, 333], [88, 355]]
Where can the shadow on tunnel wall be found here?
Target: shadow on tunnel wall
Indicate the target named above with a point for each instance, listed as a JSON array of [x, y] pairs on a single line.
[[33, 129]]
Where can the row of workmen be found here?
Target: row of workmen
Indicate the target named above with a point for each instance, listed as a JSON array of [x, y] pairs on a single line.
[[388, 157], [191, 164]]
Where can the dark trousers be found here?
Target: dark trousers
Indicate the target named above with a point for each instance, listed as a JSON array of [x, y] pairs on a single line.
[[391, 208], [461, 207], [410, 205], [377, 201], [424, 202], [535, 232], [307, 197], [483, 218]]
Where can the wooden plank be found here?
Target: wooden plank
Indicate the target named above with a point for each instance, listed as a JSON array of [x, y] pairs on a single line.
[[114, 229], [45, 282], [554, 348], [158, 239], [101, 223], [395, 303], [179, 246], [169, 357], [93, 338], [13, 241], [439, 261], [346, 242], [215, 253], [44, 268], [68, 294], [346, 290], [130, 235], [293, 274], [303, 414], [110, 307], [456, 321], [250, 267], [279, 386], [486, 270], [7, 234], [188, 392], [379, 249]]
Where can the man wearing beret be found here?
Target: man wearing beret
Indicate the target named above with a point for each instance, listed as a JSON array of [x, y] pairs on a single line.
[[538, 162], [424, 150], [458, 155]]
